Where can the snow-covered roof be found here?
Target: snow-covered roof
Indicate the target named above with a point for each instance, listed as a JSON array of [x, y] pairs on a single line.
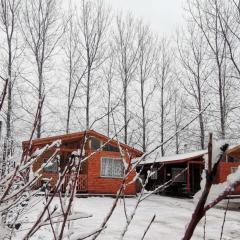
[[176, 157]]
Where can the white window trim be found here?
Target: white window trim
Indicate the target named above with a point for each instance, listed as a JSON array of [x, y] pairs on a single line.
[[113, 158]]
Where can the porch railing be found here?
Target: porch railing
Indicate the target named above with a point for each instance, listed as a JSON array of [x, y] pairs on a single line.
[[53, 177]]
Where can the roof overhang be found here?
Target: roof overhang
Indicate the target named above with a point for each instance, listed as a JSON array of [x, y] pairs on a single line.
[[78, 136]]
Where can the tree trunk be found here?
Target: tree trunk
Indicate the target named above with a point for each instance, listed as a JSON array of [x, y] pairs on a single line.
[[143, 117], [40, 85], [6, 146], [162, 117], [125, 114], [108, 111], [69, 92], [88, 96]]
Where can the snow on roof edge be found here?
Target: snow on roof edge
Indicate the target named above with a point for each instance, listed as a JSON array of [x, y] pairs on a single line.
[[176, 157]]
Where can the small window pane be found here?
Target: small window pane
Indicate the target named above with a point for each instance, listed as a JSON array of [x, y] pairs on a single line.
[[154, 174], [51, 166], [96, 144], [232, 159], [234, 169], [110, 148], [180, 178]]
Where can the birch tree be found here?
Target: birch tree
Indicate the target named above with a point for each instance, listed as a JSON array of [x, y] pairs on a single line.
[[205, 15], [178, 117], [164, 79], [41, 31], [148, 51], [9, 10], [108, 75], [73, 62], [93, 24], [127, 48], [193, 58]]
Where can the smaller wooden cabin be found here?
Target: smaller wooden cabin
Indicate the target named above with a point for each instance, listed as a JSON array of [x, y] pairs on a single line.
[[102, 173], [166, 168], [229, 165], [188, 183]]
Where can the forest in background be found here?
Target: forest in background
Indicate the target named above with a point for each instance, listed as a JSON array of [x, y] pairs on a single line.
[[97, 69]]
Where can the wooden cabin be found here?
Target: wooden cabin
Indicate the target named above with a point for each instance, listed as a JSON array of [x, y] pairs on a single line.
[[229, 165], [102, 173], [166, 168]]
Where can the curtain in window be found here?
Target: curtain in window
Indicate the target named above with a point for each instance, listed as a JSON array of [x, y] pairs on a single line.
[[112, 167], [107, 167]]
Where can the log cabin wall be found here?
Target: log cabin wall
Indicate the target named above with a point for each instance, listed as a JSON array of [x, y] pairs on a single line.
[[106, 185]]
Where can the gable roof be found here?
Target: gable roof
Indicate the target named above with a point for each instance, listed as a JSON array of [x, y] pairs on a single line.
[[78, 136]]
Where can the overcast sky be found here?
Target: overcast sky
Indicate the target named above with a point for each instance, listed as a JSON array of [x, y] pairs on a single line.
[[162, 15]]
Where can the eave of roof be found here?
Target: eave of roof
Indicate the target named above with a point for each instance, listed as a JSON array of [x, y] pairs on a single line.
[[79, 135], [178, 158]]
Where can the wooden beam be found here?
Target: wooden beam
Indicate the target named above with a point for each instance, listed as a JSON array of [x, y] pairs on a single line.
[[188, 178]]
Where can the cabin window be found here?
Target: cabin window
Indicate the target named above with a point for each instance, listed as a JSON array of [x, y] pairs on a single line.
[[180, 178], [154, 174], [51, 166], [96, 143], [232, 159], [112, 167], [110, 148], [234, 169]]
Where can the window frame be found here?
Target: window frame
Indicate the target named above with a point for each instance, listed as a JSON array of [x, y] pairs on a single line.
[[113, 159], [45, 168], [154, 174], [177, 170], [234, 169]]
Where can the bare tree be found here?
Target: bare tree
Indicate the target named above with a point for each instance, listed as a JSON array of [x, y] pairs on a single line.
[[193, 58], [205, 15], [178, 116], [228, 16], [93, 23], [127, 49], [41, 32], [148, 51], [73, 61], [8, 19], [108, 75], [164, 78]]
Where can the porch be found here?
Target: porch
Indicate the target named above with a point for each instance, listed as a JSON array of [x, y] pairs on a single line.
[[187, 183], [52, 178]]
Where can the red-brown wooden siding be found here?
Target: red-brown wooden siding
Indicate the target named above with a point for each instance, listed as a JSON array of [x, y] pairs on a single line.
[[98, 184], [224, 169]]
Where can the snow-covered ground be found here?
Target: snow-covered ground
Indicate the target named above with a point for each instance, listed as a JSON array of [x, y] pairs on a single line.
[[172, 215]]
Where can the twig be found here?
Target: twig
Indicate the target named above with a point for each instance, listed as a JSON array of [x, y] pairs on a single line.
[[50, 219], [204, 227], [149, 225], [90, 234], [3, 95], [224, 219]]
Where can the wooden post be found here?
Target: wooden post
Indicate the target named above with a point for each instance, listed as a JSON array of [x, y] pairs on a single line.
[[199, 210], [210, 154], [188, 178]]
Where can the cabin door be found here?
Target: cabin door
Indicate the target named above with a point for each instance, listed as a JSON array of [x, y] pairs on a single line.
[[196, 177]]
